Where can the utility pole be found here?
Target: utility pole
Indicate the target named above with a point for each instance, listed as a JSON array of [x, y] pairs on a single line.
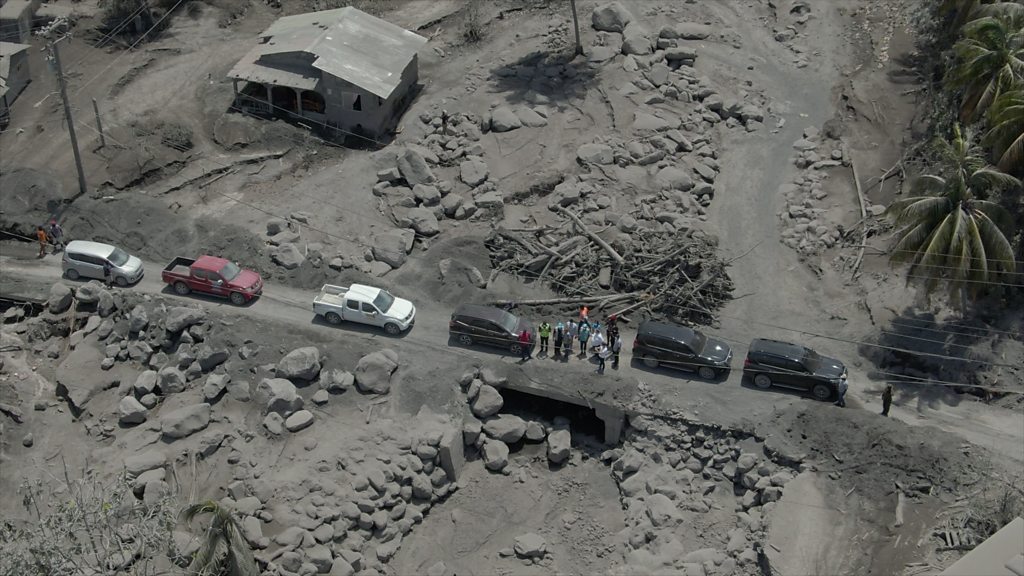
[[55, 53], [99, 125]]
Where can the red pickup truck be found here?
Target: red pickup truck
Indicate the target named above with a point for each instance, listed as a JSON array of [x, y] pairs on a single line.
[[212, 275]]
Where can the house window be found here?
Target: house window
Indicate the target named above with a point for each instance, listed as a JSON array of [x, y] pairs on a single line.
[[357, 104], [312, 102]]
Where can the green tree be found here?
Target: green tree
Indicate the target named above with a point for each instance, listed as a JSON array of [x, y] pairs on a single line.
[[1006, 130], [959, 12], [989, 60], [948, 229], [224, 551]]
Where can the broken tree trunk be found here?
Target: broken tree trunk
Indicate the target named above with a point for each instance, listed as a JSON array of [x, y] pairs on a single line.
[[570, 300], [597, 239]]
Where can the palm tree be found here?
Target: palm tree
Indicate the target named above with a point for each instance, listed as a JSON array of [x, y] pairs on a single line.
[[1006, 130], [960, 12], [990, 58], [948, 230], [224, 551]]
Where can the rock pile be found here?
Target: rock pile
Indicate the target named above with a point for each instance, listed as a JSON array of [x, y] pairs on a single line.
[[805, 224], [673, 480]]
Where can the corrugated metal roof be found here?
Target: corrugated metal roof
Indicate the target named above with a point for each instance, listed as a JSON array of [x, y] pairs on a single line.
[[12, 48], [250, 68], [348, 43]]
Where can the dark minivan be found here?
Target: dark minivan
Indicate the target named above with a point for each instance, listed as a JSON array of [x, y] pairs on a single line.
[[473, 324], [674, 346], [775, 363]]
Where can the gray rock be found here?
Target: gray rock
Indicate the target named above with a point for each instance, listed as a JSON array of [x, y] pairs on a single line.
[[673, 178], [288, 256], [146, 383], [299, 364], [337, 381], [451, 204], [89, 293], [209, 357], [661, 510], [299, 421], [389, 175], [426, 195], [320, 397], [473, 171], [530, 118], [275, 226], [185, 421], [745, 462], [373, 372], [239, 391], [413, 167], [179, 317], [274, 423], [171, 380], [505, 427], [559, 442], [80, 377], [144, 462], [686, 31], [60, 298], [530, 546], [495, 455], [487, 402], [130, 411], [504, 119], [279, 396], [489, 201], [149, 400], [461, 273], [636, 39], [389, 247], [535, 432], [423, 221], [595, 153], [682, 53], [138, 319], [611, 17], [215, 386], [471, 431]]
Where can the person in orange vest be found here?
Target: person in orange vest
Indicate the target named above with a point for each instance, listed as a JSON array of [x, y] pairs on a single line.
[[41, 236], [584, 313]]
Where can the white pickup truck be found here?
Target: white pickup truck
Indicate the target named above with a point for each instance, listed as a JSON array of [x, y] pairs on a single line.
[[365, 305]]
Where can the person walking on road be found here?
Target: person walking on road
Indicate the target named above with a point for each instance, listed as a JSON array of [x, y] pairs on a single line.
[[108, 273], [616, 348], [841, 400], [544, 331], [56, 234], [602, 355], [559, 338], [524, 344], [886, 399], [41, 237], [571, 331], [584, 336]]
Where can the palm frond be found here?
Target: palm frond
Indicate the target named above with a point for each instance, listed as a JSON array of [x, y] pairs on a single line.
[[908, 245], [998, 250], [928, 185]]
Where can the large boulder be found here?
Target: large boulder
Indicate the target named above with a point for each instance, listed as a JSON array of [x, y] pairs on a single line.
[[426, 195], [80, 378], [89, 293], [636, 39], [179, 317], [504, 119], [595, 153], [373, 372], [146, 383], [505, 427], [558, 446], [288, 256], [337, 381], [185, 421], [473, 171], [530, 546], [495, 455], [138, 319], [131, 411], [414, 168], [171, 380], [673, 178], [423, 221], [210, 357], [389, 248], [299, 364], [487, 402], [139, 464], [60, 298], [299, 421], [279, 395], [686, 31], [611, 17], [460, 273]]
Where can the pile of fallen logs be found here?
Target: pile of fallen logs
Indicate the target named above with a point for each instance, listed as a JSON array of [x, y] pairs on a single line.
[[672, 275]]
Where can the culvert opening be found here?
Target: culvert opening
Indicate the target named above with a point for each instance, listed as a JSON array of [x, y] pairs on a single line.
[[583, 420]]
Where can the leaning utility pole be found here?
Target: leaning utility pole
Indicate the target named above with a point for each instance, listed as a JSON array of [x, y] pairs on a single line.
[[55, 54]]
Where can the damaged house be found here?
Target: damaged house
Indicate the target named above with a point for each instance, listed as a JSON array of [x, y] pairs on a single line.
[[339, 69]]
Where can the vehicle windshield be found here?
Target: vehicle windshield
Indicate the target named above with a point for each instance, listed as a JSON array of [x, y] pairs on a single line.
[[509, 322], [229, 271], [383, 301], [811, 361], [118, 257]]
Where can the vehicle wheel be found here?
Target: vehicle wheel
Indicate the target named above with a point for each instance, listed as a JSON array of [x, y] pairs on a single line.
[[707, 372], [762, 381], [237, 298], [465, 339], [333, 318], [821, 392], [392, 329], [181, 288], [516, 349], [72, 274], [121, 281], [651, 362]]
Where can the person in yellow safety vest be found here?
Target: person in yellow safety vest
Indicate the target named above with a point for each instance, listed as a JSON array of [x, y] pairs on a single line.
[[544, 331]]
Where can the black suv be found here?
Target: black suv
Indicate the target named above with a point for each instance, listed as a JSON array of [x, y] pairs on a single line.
[[488, 325], [660, 343], [774, 363]]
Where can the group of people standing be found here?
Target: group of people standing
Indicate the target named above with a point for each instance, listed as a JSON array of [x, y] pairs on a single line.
[[562, 338], [52, 235]]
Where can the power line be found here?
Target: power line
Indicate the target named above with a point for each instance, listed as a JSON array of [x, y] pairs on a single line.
[[902, 321]]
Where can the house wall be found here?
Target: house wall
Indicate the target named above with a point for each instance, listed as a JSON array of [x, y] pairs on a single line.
[[18, 75], [377, 117], [16, 20]]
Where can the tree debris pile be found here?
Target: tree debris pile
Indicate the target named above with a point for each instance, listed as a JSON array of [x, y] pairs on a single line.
[[672, 275]]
